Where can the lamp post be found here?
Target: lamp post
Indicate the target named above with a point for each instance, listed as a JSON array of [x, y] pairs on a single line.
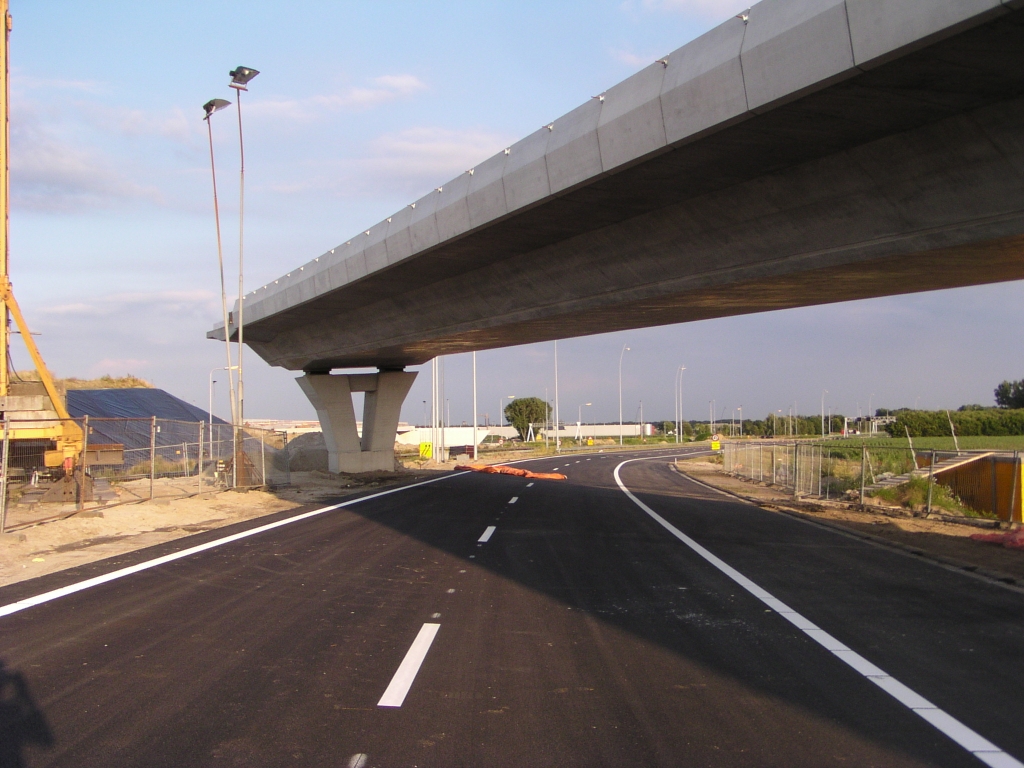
[[212, 382], [741, 420], [679, 401], [823, 393], [240, 77], [579, 421], [625, 349], [558, 437], [215, 105], [475, 439]]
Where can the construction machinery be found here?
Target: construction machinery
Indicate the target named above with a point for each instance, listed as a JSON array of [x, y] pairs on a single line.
[[34, 412]]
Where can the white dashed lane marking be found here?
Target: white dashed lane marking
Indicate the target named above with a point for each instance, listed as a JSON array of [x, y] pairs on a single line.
[[486, 535], [396, 692]]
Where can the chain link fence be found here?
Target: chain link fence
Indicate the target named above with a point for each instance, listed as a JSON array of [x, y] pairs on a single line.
[[52, 468], [967, 483]]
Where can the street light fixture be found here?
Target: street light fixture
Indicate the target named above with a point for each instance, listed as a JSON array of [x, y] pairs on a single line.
[[625, 349], [240, 77]]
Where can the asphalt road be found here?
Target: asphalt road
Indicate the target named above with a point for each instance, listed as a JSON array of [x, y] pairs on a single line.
[[580, 632]]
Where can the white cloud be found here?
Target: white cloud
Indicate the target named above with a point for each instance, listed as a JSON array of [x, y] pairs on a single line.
[[137, 123], [633, 60], [21, 82], [117, 303], [409, 162], [381, 90], [433, 154], [51, 174]]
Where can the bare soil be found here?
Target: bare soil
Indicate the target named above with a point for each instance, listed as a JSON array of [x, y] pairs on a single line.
[[948, 542]]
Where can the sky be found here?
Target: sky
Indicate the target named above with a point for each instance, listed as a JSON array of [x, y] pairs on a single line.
[[360, 108]]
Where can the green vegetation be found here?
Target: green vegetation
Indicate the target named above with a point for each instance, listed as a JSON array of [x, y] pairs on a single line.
[[914, 495], [103, 382], [986, 422], [1010, 394], [524, 411]]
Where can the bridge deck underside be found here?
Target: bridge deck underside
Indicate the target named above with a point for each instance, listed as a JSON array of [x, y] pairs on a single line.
[[909, 177]]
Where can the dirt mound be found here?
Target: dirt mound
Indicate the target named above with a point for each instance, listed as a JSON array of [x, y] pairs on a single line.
[[307, 453]]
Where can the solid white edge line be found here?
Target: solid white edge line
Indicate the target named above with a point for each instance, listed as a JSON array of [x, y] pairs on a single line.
[[400, 684], [70, 589], [942, 721], [486, 535]]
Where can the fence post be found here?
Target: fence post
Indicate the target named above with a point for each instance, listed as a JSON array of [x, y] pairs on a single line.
[[152, 456], [796, 469], [931, 475], [1013, 490], [3, 477], [773, 463], [995, 496], [80, 496], [263, 455], [863, 473], [199, 461]]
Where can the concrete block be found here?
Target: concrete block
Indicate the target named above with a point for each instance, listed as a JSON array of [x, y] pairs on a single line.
[[883, 29], [574, 152], [374, 249], [423, 224], [486, 196], [631, 124], [322, 277], [451, 212], [398, 240], [337, 272], [356, 266], [793, 47], [525, 175], [703, 85]]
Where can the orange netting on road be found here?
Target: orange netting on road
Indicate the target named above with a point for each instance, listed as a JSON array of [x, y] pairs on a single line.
[[498, 469], [1011, 540]]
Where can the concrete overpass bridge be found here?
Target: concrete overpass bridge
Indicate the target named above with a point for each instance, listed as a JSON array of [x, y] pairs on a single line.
[[806, 152]]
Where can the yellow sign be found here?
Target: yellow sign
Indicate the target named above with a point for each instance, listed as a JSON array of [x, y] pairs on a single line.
[[590, 441], [715, 446], [426, 450]]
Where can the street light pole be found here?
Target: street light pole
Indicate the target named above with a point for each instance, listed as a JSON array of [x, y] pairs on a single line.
[[625, 349], [679, 403], [475, 439], [240, 76], [823, 393], [741, 421], [215, 105], [558, 438]]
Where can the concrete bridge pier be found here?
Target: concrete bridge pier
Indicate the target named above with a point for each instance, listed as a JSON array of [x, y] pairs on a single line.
[[331, 395]]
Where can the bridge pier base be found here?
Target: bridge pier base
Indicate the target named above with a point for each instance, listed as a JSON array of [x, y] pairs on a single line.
[[331, 396]]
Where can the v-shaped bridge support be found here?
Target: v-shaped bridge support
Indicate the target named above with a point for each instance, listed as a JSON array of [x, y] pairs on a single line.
[[331, 396]]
